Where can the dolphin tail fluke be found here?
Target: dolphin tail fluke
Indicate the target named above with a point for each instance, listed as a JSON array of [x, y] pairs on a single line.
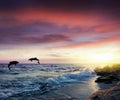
[[38, 62], [9, 66]]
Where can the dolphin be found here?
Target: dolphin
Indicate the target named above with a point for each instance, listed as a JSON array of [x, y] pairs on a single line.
[[12, 63], [31, 59]]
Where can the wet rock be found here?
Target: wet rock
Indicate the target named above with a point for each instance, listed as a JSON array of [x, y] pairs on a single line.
[[112, 93], [107, 79]]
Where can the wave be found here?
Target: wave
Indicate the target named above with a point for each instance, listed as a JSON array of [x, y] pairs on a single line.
[[71, 77], [26, 85]]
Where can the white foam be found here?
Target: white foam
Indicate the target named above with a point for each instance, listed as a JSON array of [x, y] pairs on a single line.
[[71, 77]]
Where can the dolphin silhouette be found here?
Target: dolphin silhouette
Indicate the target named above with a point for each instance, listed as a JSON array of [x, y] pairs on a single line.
[[31, 59], [12, 63]]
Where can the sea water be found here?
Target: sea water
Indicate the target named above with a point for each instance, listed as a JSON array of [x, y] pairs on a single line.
[[46, 80]]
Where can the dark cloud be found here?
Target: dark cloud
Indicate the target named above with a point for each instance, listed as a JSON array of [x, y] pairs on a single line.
[[31, 40], [13, 26], [60, 4], [31, 33], [52, 38], [13, 31], [109, 8]]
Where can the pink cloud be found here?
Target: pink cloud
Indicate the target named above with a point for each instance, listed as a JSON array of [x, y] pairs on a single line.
[[89, 44]]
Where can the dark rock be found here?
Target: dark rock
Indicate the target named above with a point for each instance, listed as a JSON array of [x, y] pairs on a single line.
[[112, 93], [95, 97], [107, 79], [103, 79]]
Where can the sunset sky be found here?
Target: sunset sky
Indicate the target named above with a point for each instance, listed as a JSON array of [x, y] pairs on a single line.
[[60, 31]]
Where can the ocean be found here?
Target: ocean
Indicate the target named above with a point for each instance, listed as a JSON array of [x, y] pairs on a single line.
[[46, 82]]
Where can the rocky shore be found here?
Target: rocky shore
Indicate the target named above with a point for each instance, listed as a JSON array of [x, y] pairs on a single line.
[[112, 93], [109, 83]]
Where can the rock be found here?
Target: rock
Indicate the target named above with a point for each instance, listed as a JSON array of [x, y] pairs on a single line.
[[107, 79], [103, 79], [118, 83], [95, 97], [112, 93]]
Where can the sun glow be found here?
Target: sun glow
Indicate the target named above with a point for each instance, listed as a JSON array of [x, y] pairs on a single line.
[[104, 57]]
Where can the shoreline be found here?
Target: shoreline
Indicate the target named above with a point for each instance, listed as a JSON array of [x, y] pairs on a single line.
[[71, 91], [107, 92], [108, 82]]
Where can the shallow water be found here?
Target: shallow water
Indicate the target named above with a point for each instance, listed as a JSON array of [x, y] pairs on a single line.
[[46, 80]]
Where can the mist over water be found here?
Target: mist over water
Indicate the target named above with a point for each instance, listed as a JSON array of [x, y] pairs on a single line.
[[43, 78]]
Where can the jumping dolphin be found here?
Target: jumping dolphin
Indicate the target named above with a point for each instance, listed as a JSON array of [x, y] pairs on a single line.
[[31, 59], [12, 63]]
